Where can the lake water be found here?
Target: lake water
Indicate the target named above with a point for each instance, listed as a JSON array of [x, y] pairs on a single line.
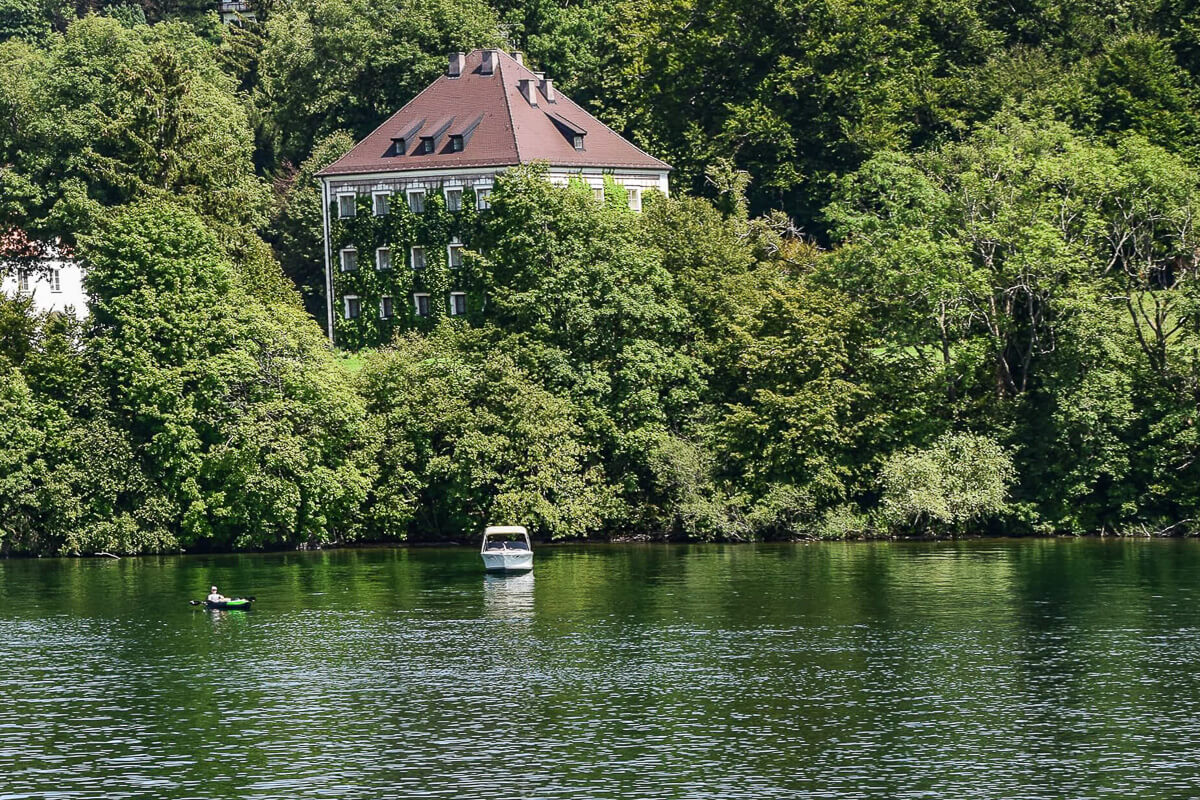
[[990, 669]]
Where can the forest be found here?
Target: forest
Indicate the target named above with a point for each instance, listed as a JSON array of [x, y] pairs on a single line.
[[928, 268]]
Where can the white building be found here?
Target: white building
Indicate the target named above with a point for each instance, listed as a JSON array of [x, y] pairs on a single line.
[[43, 273], [486, 114]]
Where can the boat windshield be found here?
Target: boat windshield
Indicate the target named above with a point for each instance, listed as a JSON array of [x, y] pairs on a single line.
[[507, 544]]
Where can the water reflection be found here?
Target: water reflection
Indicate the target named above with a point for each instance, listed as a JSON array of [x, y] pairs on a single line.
[[508, 596]]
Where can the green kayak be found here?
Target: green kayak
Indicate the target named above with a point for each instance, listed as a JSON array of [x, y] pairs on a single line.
[[240, 604]]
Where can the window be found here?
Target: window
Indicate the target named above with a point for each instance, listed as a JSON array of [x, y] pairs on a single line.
[[416, 201], [380, 200], [55, 281], [349, 259], [353, 309], [346, 206], [454, 255], [421, 304], [398, 146], [418, 258], [23, 280], [598, 193], [635, 198], [483, 197], [458, 304], [426, 144], [454, 199], [456, 143], [383, 258], [577, 140], [385, 307]]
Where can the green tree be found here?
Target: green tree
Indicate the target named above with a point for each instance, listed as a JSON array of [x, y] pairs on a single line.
[[470, 439], [961, 479], [330, 65]]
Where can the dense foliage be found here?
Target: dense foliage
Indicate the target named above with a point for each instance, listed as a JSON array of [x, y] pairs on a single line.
[[930, 267]]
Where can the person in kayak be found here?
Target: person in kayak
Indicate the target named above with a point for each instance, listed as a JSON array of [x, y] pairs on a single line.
[[217, 597]]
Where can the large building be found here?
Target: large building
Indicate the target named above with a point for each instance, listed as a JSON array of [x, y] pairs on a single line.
[[401, 205]]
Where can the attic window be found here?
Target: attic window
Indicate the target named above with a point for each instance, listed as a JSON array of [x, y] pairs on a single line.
[[398, 146], [426, 144], [577, 139], [456, 143]]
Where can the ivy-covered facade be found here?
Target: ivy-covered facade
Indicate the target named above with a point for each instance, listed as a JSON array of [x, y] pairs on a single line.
[[375, 294]]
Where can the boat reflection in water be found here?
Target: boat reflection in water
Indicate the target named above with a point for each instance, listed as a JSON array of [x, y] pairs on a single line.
[[508, 596]]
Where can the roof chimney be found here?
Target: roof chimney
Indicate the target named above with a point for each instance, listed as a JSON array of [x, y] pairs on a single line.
[[529, 90], [518, 56], [488, 65], [456, 64], [548, 90]]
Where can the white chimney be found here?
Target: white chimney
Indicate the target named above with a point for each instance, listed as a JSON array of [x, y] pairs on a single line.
[[456, 64], [529, 90], [548, 90], [489, 62], [518, 56]]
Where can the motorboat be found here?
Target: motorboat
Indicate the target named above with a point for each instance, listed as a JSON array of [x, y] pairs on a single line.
[[506, 548]]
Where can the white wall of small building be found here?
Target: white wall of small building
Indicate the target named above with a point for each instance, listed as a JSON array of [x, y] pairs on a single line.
[[69, 294]]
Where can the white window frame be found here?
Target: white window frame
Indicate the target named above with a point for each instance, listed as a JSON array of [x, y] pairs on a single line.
[[55, 278], [598, 193], [382, 315], [342, 259], [23, 281], [375, 198], [635, 197], [346, 305], [577, 141], [417, 304], [412, 257], [446, 193], [412, 193], [378, 262], [450, 248], [483, 196], [353, 205], [453, 295]]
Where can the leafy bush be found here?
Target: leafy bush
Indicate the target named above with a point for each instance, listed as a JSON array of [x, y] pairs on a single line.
[[961, 479]]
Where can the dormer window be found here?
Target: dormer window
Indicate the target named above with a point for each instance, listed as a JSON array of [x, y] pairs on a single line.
[[426, 144], [570, 131], [398, 146], [456, 143]]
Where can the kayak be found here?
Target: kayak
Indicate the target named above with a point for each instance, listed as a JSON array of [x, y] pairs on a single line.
[[240, 604]]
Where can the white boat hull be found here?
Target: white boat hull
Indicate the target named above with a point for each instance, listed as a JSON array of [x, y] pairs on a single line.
[[508, 560]]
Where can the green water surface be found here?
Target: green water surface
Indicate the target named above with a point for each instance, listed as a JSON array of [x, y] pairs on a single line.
[[985, 669]]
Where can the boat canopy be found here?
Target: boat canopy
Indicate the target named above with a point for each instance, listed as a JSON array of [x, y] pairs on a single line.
[[493, 530]]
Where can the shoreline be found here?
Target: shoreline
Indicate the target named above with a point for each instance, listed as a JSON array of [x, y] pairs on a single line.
[[617, 540]]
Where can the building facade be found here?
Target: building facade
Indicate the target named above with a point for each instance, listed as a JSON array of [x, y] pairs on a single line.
[[44, 273], [402, 206]]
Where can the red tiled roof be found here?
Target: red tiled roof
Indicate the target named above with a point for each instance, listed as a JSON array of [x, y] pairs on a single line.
[[499, 128], [15, 244]]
